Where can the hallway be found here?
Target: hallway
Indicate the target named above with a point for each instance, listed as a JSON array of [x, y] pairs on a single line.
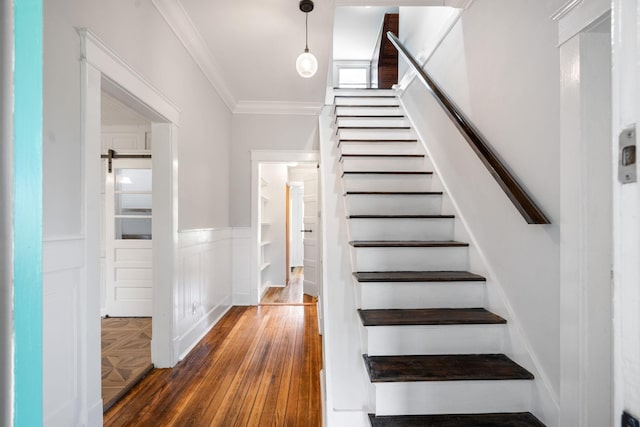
[[258, 366]]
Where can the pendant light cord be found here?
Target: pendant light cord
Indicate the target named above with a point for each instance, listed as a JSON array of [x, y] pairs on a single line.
[[306, 32]]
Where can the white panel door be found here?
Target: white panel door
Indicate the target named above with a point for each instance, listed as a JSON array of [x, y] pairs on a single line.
[[310, 232], [128, 216], [297, 237]]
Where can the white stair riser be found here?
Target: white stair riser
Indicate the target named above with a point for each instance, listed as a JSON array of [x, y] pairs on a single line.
[[401, 229], [368, 111], [411, 259], [363, 147], [370, 100], [342, 91], [434, 339], [384, 164], [394, 204], [421, 295], [376, 134], [390, 182], [451, 397], [372, 122]]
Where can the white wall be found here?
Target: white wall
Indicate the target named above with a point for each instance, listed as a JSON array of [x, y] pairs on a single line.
[[356, 30], [6, 212], [421, 28], [256, 132], [500, 65], [140, 36]]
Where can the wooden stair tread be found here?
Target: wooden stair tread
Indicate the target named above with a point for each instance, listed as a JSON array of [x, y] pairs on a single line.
[[429, 316], [373, 127], [364, 96], [406, 244], [386, 173], [516, 419], [368, 106], [367, 116], [417, 276], [376, 140], [444, 367], [380, 155], [400, 216], [393, 193]]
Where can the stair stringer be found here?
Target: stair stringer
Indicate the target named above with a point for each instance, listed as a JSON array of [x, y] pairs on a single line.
[[544, 401], [346, 391]]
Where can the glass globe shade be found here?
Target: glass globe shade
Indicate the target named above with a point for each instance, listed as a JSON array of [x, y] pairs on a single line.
[[306, 65]]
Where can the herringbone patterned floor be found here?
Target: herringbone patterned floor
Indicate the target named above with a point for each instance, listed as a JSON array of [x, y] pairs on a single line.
[[126, 355]]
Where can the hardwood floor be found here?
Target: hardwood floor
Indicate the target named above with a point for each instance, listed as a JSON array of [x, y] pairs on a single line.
[[259, 366], [290, 294]]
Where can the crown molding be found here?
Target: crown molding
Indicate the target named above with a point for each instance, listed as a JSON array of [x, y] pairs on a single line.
[[460, 4], [565, 9], [179, 21], [278, 107]]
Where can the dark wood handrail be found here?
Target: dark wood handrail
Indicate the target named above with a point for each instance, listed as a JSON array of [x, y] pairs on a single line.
[[518, 196]]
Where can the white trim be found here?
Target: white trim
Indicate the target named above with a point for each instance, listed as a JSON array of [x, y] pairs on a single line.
[[577, 17], [449, 3], [278, 107], [565, 9], [284, 156], [96, 53], [102, 66], [179, 21]]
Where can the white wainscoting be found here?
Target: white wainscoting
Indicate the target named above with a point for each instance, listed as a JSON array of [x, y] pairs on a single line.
[[63, 376], [241, 273], [203, 291]]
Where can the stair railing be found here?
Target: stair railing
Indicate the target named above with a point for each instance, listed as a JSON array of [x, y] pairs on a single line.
[[514, 191]]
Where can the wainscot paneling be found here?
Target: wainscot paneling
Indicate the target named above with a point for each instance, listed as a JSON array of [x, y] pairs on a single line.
[[62, 376], [203, 292], [241, 273]]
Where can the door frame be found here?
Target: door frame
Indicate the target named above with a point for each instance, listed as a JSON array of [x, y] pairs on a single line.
[[586, 244], [257, 157], [102, 69]]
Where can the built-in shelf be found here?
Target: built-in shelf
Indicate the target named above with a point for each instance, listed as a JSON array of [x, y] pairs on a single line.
[[264, 265]]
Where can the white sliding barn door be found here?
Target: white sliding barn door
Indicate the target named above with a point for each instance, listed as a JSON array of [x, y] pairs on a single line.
[[128, 241], [310, 232]]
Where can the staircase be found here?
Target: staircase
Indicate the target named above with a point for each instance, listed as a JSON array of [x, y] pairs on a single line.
[[433, 354]]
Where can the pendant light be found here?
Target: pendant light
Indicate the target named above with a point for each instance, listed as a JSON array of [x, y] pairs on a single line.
[[306, 64]]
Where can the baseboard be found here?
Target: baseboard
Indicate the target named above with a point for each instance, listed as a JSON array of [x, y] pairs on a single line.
[[194, 335]]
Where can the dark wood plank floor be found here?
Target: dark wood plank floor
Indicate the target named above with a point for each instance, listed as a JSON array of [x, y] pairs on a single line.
[[259, 366]]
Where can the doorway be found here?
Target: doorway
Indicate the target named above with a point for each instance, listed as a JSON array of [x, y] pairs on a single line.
[[103, 71], [288, 220], [126, 248], [586, 232], [285, 227]]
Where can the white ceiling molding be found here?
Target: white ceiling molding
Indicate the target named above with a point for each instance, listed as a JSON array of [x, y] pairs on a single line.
[[278, 107], [458, 4], [451, 3], [173, 12], [565, 9]]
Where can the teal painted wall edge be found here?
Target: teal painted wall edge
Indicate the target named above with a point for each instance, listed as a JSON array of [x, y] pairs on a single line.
[[28, 213]]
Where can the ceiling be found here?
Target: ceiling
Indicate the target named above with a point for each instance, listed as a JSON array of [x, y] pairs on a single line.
[[248, 48]]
